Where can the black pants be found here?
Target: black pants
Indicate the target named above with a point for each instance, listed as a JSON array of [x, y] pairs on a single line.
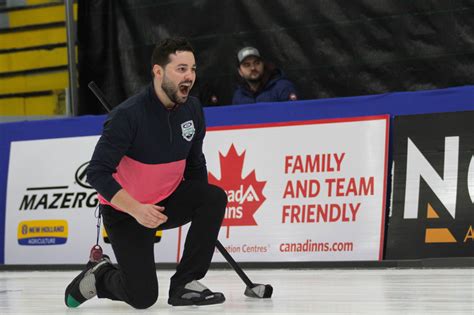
[[135, 281]]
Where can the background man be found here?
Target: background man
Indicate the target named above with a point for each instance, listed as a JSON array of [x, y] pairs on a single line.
[[260, 81]]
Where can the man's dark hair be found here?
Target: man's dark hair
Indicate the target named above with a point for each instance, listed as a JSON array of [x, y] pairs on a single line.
[[162, 51]]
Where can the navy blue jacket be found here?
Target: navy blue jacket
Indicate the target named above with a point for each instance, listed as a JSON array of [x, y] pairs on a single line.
[[277, 88], [148, 149]]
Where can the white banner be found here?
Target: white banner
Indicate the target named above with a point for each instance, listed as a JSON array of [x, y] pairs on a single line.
[[50, 207], [306, 191]]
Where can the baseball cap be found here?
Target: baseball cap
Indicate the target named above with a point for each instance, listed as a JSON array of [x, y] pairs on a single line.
[[247, 51]]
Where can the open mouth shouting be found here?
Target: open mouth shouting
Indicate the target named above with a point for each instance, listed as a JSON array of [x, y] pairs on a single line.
[[185, 87]]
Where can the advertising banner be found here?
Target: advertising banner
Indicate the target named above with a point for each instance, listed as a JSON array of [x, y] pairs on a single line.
[[303, 191], [297, 191], [51, 209], [433, 192]]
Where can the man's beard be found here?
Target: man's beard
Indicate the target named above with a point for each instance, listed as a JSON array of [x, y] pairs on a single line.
[[254, 80], [171, 91]]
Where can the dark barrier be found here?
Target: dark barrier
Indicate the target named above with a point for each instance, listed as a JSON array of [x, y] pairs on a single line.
[[432, 213], [328, 48]]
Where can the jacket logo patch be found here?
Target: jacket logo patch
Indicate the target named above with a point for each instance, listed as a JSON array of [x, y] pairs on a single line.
[[187, 129]]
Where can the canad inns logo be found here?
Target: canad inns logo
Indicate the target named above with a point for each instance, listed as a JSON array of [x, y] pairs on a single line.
[[244, 195]]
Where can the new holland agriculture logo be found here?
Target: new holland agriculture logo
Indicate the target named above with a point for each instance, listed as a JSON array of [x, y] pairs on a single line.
[[42, 232], [244, 195]]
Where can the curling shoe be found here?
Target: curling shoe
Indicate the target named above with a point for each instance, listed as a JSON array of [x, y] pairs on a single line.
[[194, 293], [82, 287]]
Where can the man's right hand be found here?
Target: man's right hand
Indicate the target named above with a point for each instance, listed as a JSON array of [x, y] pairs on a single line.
[[149, 215]]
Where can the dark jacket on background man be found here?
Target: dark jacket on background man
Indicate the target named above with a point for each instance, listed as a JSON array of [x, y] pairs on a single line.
[[275, 88]]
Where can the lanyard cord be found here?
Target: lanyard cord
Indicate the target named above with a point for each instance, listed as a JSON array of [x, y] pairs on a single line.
[[96, 251], [97, 214]]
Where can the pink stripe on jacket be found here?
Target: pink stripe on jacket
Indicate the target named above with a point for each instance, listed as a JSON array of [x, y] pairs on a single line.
[[147, 183]]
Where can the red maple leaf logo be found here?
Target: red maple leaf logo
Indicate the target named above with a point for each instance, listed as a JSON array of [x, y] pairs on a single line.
[[244, 195]]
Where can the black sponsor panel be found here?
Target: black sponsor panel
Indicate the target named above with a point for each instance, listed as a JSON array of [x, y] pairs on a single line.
[[432, 211]]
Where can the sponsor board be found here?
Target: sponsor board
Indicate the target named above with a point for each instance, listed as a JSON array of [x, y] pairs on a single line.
[[304, 191], [432, 213], [49, 202], [42, 232]]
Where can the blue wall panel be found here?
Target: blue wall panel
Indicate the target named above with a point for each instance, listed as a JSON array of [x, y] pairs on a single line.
[[404, 103]]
